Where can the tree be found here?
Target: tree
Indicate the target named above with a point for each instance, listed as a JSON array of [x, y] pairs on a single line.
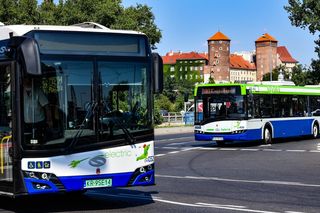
[[275, 74], [28, 12], [8, 11], [306, 13], [109, 13], [139, 18]]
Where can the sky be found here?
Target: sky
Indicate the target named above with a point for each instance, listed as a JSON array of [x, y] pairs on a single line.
[[186, 25]]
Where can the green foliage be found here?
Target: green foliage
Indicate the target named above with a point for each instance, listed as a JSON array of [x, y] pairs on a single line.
[[299, 75], [109, 13], [139, 18], [306, 13], [275, 74]]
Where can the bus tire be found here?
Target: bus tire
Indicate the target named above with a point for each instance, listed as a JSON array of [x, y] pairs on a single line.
[[315, 130], [267, 135]]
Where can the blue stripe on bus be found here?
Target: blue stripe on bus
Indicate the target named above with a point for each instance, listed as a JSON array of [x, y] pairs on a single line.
[[76, 183], [249, 135], [281, 129], [291, 128]]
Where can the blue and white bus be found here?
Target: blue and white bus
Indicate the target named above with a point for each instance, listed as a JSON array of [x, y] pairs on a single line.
[[252, 112], [76, 108]]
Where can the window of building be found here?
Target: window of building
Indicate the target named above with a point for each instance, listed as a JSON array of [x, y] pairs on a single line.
[[191, 68], [220, 42], [180, 69], [201, 68], [185, 68], [196, 68], [220, 48], [217, 61], [172, 68], [191, 77], [186, 76]]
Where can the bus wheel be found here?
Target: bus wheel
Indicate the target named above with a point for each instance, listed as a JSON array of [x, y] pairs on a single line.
[[315, 130], [267, 136]]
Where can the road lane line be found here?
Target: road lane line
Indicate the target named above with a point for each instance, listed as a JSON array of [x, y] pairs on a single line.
[[272, 150], [208, 148], [198, 205], [160, 155], [271, 182], [253, 150], [166, 147], [174, 152], [228, 149], [295, 150], [234, 208]]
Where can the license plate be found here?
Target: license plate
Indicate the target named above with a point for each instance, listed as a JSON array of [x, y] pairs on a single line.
[[217, 138], [98, 183]]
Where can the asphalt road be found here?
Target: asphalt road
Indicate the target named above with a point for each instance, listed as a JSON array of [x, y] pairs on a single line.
[[201, 177]]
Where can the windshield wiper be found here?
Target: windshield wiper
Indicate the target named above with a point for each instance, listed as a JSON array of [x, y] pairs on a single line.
[[86, 119], [131, 139]]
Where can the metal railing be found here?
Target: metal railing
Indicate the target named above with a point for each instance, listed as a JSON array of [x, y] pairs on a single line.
[[173, 118]]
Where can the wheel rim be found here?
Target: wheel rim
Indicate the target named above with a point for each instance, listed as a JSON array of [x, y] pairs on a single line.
[[315, 131], [267, 136]]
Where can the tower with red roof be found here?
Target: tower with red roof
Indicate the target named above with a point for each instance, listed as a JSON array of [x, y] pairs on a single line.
[[266, 55], [219, 57]]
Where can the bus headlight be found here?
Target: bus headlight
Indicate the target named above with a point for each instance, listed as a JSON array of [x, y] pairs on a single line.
[[238, 131]]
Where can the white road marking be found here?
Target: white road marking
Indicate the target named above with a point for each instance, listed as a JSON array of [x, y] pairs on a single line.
[[228, 149], [165, 147], [314, 151], [287, 183], [234, 208], [265, 145], [249, 150], [174, 152], [199, 205], [272, 150], [159, 155], [295, 150], [208, 148]]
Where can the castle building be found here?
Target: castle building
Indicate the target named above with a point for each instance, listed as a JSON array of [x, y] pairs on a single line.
[[221, 66], [266, 55]]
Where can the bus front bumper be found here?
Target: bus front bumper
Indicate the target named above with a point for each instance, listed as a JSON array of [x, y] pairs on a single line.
[[248, 135]]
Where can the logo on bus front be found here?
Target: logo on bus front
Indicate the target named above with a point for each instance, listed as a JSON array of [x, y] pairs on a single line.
[[2, 50]]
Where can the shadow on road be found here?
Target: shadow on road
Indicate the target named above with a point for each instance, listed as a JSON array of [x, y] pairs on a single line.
[[95, 200]]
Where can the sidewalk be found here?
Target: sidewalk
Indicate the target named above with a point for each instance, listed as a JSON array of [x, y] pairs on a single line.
[[173, 130]]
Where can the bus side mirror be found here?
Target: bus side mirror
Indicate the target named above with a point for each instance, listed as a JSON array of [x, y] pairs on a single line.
[[157, 73], [28, 48]]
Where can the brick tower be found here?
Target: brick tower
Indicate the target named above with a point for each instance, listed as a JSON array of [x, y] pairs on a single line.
[[219, 57], [266, 55]]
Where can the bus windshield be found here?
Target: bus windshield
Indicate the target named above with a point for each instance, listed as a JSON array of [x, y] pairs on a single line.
[[219, 103], [85, 101]]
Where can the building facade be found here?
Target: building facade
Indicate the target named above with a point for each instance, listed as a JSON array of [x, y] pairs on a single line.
[[185, 66], [221, 66]]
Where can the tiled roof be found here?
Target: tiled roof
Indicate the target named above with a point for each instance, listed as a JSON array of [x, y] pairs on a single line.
[[172, 57], [238, 62], [266, 37], [285, 56], [219, 36]]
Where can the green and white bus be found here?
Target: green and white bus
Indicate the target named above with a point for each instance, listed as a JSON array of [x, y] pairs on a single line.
[[76, 108], [252, 112]]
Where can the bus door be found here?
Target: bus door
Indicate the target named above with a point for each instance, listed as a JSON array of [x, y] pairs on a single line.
[[6, 168]]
